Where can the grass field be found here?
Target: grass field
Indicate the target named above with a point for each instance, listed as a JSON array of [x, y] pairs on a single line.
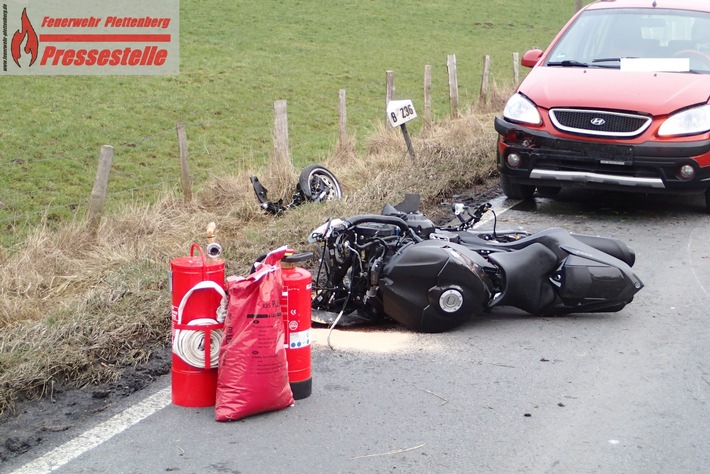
[[237, 58]]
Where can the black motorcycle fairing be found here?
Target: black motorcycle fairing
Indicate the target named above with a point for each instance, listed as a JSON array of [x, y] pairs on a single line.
[[586, 279], [610, 246], [434, 286], [525, 277], [586, 282], [614, 247], [485, 242]]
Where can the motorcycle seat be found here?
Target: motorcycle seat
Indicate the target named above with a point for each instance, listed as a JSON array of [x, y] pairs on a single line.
[[526, 283]]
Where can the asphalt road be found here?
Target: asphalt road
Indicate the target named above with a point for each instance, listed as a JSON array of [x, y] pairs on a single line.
[[626, 392]]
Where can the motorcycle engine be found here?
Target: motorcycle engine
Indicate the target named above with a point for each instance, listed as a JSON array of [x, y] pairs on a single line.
[[354, 260]]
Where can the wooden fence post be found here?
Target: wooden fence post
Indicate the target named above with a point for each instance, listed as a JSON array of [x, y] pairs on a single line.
[[342, 112], [427, 96], [516, 69], [389, 96], [184, 164], [484, 96], [281, 153], [98, 193], [453, 86]]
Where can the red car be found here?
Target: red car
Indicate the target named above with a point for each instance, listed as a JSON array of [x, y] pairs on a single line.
[[618, 101]]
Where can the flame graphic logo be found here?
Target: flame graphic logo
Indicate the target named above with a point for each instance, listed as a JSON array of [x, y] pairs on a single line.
[[32, 44]]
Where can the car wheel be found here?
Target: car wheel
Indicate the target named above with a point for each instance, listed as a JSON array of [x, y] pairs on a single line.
[[514, 190], [707, 200], [549, 191]]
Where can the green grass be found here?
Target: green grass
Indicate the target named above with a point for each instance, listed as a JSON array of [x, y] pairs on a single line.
[[237, 58]]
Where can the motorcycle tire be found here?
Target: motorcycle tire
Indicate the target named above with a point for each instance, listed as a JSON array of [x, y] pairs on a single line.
[[318, 184]]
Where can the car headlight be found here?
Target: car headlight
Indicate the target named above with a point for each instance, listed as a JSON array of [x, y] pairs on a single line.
[[520, 109], [688, 122]]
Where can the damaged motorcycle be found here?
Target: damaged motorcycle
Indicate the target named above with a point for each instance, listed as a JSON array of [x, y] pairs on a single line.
[[399, 266]]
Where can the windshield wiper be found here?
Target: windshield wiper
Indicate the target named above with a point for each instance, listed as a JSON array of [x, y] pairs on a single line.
[[568, 63], [596, 62]]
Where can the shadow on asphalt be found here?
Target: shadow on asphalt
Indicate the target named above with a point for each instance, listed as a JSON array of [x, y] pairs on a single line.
[[600, 203]]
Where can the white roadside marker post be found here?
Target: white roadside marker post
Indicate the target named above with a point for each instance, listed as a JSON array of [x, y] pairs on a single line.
[[399, 112]]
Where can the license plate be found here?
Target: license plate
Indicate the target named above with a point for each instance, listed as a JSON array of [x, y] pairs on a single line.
[[612, 154], [603, 154]]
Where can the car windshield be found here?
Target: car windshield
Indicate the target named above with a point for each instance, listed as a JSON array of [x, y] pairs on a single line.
[[636, 39]]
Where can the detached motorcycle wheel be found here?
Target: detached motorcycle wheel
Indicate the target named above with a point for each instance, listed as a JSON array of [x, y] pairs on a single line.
[[318, 184]]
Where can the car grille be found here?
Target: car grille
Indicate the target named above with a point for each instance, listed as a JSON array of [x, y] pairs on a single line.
[[599, 122]]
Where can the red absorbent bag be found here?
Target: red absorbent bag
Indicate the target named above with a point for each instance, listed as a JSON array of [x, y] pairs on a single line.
[[252, 375]]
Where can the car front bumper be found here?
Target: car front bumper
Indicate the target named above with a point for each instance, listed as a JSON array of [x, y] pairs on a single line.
[[547, 160]]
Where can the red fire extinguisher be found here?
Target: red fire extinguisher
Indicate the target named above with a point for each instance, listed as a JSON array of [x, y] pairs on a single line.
[[199, 305], [296, 310]]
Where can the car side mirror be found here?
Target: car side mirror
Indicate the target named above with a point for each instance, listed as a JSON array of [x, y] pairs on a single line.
[[530, 58]]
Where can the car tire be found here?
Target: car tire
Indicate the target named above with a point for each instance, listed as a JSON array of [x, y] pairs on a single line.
[[549, 191], [514, 190], [707, 200]]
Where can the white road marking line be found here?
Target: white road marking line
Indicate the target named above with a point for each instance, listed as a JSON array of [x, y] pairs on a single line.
[[92, 438], [497, 207], [688, 250]]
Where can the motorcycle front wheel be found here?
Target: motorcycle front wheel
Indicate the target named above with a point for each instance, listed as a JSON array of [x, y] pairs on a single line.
[[319, 184]]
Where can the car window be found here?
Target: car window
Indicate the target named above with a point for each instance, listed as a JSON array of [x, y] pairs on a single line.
[[600, 38]]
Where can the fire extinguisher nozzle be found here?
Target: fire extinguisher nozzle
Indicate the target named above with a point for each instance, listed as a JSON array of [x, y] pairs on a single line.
[[214, 250]]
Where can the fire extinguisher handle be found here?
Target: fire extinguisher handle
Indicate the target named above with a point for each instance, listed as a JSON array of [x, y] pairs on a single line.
[[297, 257], [202, 252], [202, 257]]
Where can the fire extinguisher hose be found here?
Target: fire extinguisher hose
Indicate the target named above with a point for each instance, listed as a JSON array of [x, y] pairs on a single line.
[[190, 344]]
